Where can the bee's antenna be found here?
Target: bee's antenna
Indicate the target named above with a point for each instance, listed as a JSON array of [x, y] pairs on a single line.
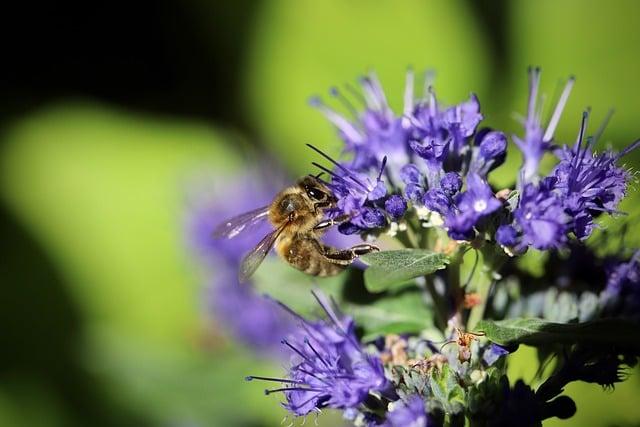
[[333, 174], [347, 171], [317, 177]]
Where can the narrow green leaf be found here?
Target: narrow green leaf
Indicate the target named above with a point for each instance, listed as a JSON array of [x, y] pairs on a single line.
[[538, 332], [391, 269]]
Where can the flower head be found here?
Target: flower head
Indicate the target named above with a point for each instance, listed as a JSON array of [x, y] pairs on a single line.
[[493, 353], [590, 183], [328, 366], [373, 132], [582, 186], [622, 292], [469, 207], [408, 413], [540, 217]]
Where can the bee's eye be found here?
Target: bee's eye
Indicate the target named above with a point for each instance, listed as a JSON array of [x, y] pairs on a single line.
[[316, 194]]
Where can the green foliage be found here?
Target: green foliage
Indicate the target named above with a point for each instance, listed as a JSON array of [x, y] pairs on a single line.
[[403, 311], [484, 397], [391, 269], [399, 312], [446, 389], [303, 48], [539, 332]]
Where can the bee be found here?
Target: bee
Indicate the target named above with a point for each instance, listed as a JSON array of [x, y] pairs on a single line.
[[297, 214]]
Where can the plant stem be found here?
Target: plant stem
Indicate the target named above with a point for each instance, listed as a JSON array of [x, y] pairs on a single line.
[[439, 303], [490, 264], [456, 294]]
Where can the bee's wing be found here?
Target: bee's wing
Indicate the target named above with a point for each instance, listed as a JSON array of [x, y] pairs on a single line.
[[253, 259], [234, 226]]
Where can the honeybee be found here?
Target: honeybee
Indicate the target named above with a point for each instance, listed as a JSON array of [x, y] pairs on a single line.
[[297, 215]]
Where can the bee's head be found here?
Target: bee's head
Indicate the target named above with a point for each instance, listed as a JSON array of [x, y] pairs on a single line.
[[316, 191]]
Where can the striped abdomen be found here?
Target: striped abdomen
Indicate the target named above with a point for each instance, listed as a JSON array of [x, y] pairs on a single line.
[[307, 254]]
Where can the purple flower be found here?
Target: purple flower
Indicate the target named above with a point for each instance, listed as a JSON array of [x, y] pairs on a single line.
[[536, 139], [263, 324], [451, 183], [462, 120], [540, 216], [507, 235], [375, 132], [396, 206], [590, 184], [413, 180], [622, 292], [437, 200], [358, 198], [582, 186], [441, 137], [328, 366], [408, 413], [469, 207], [490, 153], [492, 353]]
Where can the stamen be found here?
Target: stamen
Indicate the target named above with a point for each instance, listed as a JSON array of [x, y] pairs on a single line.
[[376, 86], [433, 103], [277, 380], [356, 94], [304, 371], [338, 120], [534, 84], [583, 129], [369, 93], [285, 389], [330, 313], [408, 97], [327, 310], [301, 354], [306, 341], [429, 77], [629, 149], [555, 117], [285, 308], [384, 163], [603, 126], [343, 99]]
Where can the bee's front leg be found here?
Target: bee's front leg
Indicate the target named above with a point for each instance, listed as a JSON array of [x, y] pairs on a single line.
[[347, 256], [330, 222]]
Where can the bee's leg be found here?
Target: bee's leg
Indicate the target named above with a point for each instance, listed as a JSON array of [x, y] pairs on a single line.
[[330, 222], [318, 205], [347, 256]]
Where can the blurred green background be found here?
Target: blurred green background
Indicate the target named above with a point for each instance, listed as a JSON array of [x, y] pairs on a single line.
[[109, 110]]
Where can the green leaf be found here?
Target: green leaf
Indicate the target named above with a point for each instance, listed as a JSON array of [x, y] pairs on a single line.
[[390, 269], [446, 389], [538, 332], [403, 312]]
